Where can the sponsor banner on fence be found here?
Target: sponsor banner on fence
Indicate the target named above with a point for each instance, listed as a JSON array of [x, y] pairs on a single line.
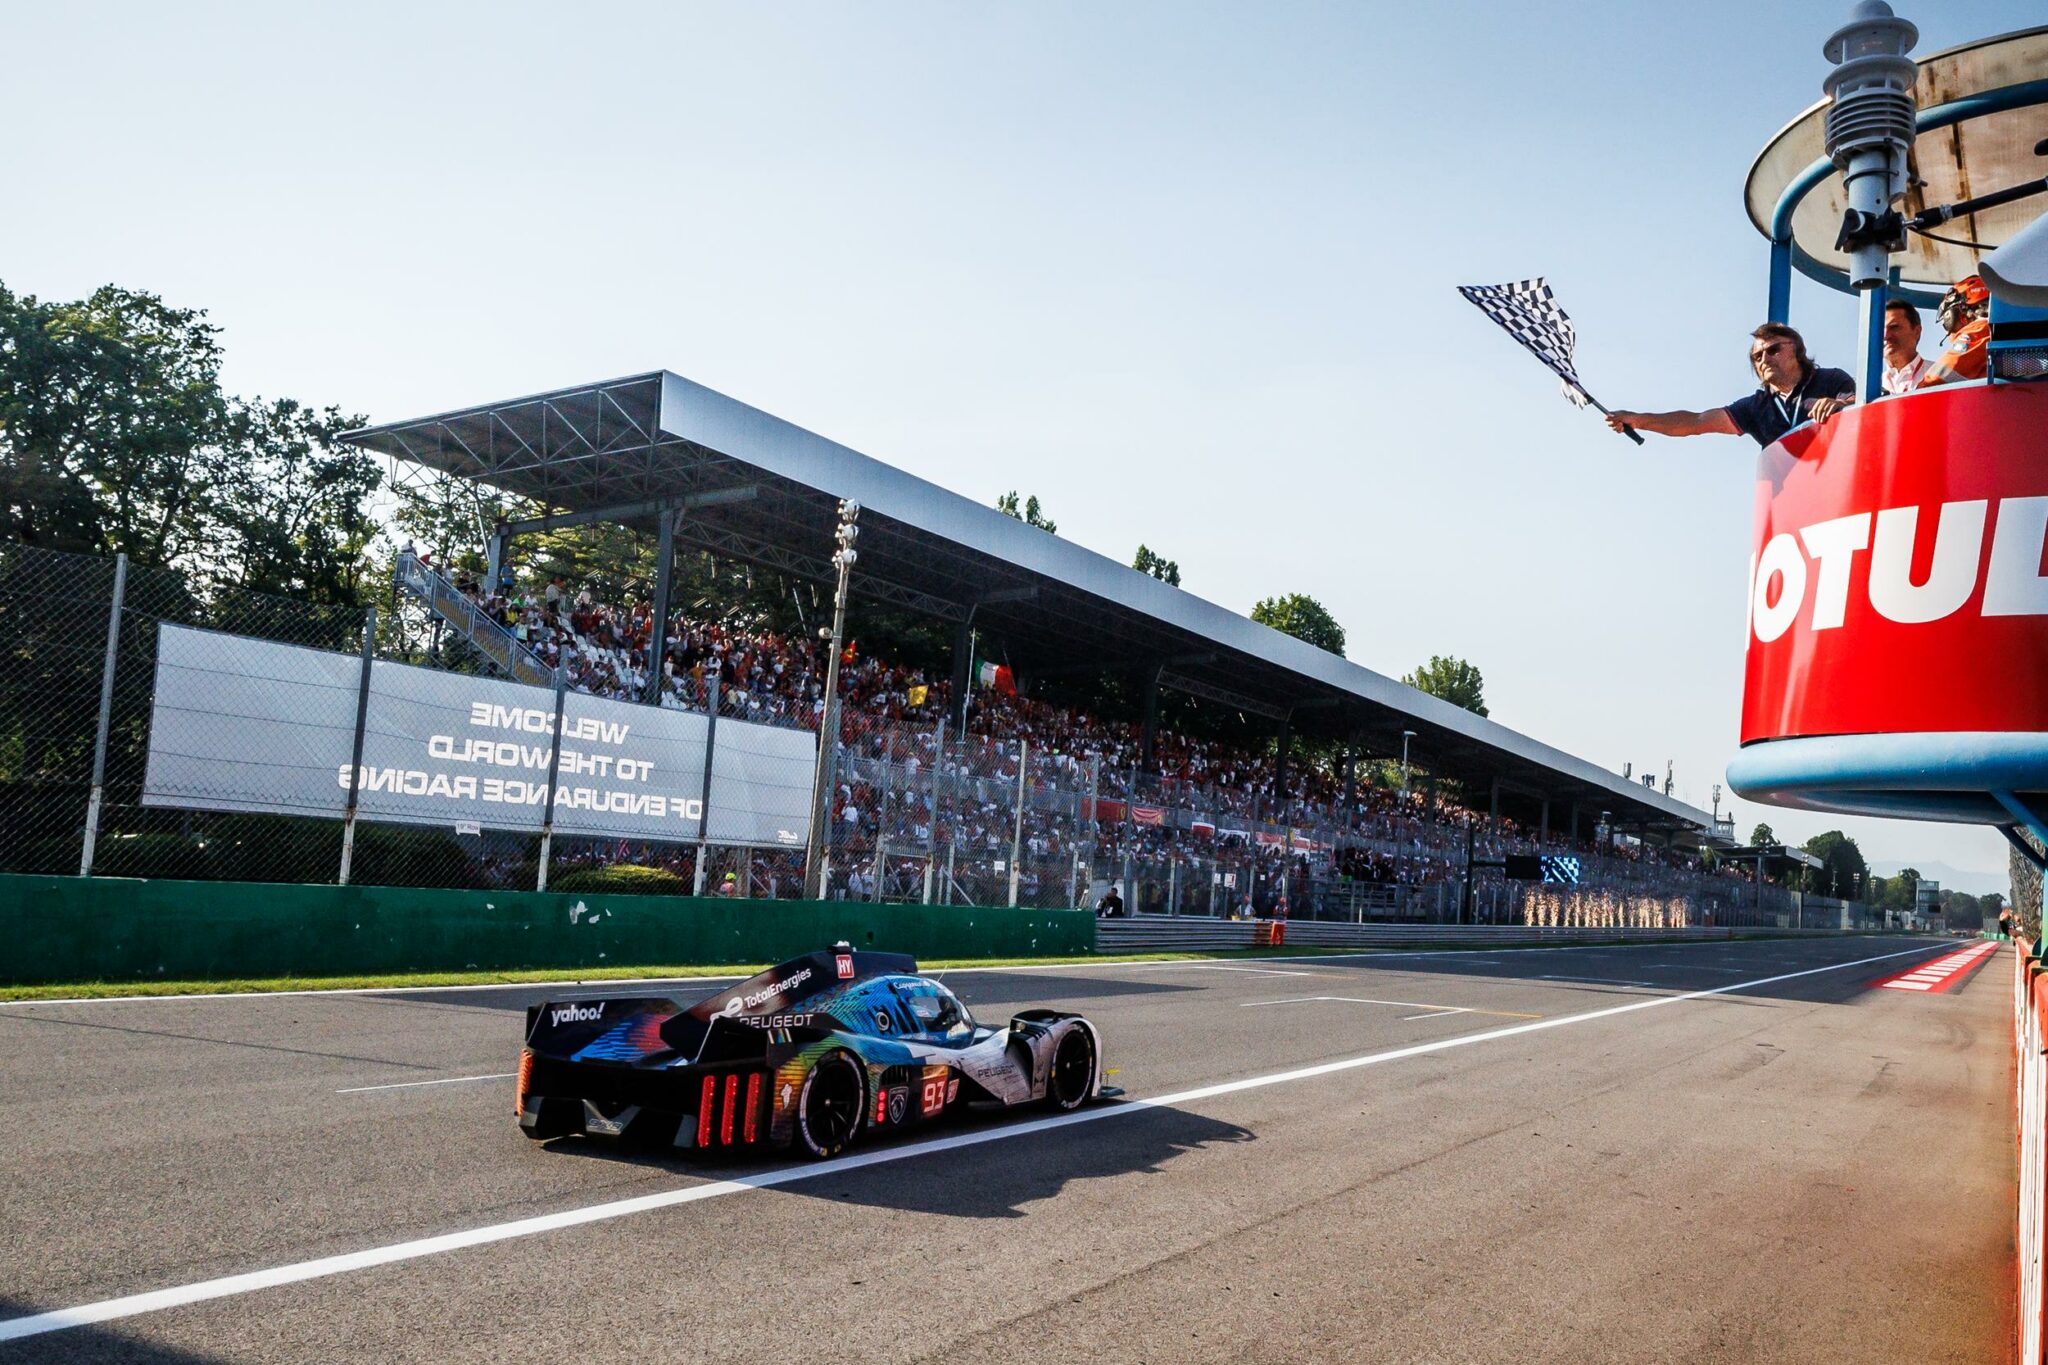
[[252, 725], [1893, 541]]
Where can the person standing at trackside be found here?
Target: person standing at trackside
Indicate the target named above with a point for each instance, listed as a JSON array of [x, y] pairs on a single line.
[[1791, 390], [1904, 366], [1111, 906]]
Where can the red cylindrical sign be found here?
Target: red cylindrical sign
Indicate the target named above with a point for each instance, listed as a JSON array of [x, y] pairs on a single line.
[[1896, 578]]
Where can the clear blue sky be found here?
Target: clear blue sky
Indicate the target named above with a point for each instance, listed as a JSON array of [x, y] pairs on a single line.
[[1185, 271]]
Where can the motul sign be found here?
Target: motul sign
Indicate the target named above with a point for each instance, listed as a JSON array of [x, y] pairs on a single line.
[[1896, 581]]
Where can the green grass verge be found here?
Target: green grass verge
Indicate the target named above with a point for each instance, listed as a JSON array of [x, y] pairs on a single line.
[[120, 990], [117, 990]]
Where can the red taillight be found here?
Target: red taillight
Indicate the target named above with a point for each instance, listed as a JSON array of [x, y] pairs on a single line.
[[525, 1080], [732, 1094], [753, 1104], [704, 1102]]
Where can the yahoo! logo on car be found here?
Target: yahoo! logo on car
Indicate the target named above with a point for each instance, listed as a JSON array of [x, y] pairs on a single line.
[[1780, 576], [575, 1014]]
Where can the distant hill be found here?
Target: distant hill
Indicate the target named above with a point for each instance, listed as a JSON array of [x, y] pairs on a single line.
[[1951, 878]]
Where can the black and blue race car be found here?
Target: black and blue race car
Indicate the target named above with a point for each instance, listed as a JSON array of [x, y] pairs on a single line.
[[811, 1053]]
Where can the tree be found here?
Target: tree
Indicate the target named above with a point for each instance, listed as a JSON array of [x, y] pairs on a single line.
[[1896, 893], [115, 436], [1762, 835], [106, 406], [1841, 864], [1029, 514], [1161, 568], [1961, 910], [1449, 678], [1304, 618], [290, 512]]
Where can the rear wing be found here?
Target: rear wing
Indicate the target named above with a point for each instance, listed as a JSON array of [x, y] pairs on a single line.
[[622, 1029]]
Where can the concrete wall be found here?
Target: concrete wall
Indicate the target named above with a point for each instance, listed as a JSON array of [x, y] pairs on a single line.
[[55, 929]]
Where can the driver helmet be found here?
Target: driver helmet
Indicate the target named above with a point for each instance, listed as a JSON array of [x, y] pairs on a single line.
[[1964, 301]]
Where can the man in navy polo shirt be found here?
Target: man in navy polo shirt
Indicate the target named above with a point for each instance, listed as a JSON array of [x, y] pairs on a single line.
[[1793, 391]]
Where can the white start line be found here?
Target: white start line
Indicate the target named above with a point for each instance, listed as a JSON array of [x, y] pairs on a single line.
[[156, 1301]]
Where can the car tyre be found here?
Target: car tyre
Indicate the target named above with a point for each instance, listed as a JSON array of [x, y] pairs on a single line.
[[1072, 1075], [831, 1104]]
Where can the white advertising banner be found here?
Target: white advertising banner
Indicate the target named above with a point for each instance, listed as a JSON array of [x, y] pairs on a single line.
[[251, 725]]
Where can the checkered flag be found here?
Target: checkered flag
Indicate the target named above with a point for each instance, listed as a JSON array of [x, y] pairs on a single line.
[[1528, 311]]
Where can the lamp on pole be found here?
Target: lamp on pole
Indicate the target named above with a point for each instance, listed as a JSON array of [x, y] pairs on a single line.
[[816, 873], [1406, 735]]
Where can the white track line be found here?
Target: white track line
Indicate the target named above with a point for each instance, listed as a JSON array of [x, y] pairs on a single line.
[[1597, 980], [409, 1085], [1220, 967], [133, 1305], [1358, 999]]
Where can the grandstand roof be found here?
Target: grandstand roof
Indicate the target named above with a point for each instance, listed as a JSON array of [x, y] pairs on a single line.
[[755, 488]]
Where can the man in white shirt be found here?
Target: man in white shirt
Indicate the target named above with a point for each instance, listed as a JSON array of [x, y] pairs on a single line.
[[1903, 363]]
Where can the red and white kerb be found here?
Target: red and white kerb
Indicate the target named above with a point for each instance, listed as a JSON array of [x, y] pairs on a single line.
[[1942, 974]]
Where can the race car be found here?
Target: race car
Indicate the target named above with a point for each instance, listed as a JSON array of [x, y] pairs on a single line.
[[811, 1053]]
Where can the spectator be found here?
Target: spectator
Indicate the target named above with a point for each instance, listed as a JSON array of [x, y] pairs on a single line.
[[1793, 390], [1963, 315], [1111, 906], [1903, 363]]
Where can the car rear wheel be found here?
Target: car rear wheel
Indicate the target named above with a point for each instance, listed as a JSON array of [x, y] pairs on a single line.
[[829, 1109], [1073, 1069]]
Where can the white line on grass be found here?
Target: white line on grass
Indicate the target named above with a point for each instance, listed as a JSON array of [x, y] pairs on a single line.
[[132, 1305], [564, 984]]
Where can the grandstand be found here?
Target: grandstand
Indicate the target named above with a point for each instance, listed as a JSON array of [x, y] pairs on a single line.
[[1187, 825]]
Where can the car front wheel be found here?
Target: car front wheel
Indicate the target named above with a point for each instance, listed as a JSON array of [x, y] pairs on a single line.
[[1073, 1070]]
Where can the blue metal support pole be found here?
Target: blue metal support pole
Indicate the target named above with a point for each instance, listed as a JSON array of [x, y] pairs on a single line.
[[2023, 814], [1779, 308], [1870, 324]]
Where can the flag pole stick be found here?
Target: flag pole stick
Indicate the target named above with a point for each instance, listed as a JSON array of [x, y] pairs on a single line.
[[1626, 429]]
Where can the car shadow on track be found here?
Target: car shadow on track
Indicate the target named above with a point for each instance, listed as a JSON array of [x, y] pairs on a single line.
[[993, 1179], [96, 1344]]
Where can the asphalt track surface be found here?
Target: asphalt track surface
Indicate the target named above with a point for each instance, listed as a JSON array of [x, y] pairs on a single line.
[[1699, 1152]]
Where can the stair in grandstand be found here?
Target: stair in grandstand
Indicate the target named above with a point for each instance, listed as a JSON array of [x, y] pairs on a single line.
[[459, 610]]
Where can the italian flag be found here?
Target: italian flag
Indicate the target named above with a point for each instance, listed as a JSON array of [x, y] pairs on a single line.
[[994, 675]]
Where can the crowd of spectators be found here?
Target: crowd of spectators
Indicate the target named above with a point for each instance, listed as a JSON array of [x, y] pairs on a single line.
[[903, 811]]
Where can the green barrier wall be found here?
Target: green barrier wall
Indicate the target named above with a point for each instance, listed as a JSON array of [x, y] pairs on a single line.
[[55, 929]]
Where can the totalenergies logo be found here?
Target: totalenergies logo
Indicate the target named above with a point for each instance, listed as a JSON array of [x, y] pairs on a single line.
[[1820, 562]]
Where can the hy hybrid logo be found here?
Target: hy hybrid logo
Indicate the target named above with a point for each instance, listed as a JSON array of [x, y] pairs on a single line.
[[575, 1014]]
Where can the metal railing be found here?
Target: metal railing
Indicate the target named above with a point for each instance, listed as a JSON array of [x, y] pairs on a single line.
[[491, 637]]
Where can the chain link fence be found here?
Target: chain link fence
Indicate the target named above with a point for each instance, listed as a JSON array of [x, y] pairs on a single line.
[[921, 813], [913, 809], [120, 686]]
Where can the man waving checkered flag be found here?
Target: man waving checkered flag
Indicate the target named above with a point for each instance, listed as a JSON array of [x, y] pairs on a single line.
[[1528, 311]]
